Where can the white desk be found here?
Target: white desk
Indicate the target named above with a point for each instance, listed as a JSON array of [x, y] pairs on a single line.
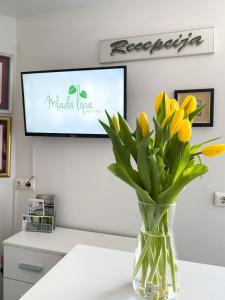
[[92, 273]]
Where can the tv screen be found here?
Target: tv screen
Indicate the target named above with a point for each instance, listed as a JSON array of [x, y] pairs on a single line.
[[70, 102]]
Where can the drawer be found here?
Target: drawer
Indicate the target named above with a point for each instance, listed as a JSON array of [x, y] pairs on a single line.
[[27, 265], [14, 289]]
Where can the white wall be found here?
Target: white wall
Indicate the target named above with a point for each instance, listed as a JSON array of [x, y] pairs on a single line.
[[7, 46], [88, 196]]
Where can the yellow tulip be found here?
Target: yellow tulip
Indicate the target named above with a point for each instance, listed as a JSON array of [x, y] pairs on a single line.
[[171, 106], [213, 150], [189, 104], [169, 112], [158, 102], [116, 123], [184, 132], [144, 124], [176, 121], [192, 106], [174, 106], [186, 101]]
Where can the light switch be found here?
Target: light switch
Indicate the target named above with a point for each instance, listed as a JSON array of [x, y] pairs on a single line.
[[21, 184], [219, 199]]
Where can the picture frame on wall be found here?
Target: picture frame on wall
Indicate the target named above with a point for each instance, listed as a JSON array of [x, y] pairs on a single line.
[[5, 145], [6, 75], [203, 97]]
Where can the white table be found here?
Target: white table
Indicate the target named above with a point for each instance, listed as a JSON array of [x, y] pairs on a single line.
[[92, 273]]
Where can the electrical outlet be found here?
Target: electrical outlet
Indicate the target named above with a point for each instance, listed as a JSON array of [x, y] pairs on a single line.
[[219, 199], [20, 184]]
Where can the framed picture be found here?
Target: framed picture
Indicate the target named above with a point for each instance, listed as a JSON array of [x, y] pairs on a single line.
[[5, 83], [203, 97], [5, 145]]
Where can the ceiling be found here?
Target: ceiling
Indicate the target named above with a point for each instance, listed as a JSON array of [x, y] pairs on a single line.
[[22, 8]]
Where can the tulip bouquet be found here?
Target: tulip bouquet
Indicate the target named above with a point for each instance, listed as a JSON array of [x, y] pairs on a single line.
[[158, 164]]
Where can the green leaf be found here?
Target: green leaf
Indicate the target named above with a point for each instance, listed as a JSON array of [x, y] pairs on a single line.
[[72, 89], [191, 163], [120, 171], [127, 137], [83, 94], [168, 196], [173, 154], [163, 106], [143, 164], [121, 153], [134, 176], [161, 111], [195, 113], [158, 136], [195, 148], [183, 161], [161, 114], [138, 133], [163, 174], [166, 132], [151, 143], [111, 124]]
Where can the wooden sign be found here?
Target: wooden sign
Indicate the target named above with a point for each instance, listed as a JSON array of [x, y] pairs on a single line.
[[180, 43]]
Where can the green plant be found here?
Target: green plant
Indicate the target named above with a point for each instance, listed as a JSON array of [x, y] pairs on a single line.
[[158, 164]]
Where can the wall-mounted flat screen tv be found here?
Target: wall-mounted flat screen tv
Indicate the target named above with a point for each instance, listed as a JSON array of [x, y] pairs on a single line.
[[70, 102]]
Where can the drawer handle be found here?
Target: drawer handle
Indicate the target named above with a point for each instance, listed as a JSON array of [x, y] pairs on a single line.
[[31, 268]]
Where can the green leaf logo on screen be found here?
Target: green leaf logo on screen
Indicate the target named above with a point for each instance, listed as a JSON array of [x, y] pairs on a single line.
[[75, 99], [76, 89]]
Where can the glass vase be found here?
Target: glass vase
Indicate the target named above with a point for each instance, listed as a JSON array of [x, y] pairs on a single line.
[[155, 274]]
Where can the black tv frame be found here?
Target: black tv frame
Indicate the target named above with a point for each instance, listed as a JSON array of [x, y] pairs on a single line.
[[124, 67]]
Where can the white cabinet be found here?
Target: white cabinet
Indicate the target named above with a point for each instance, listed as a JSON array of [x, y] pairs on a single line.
[[14, 289], [27, 265], [28, 256]]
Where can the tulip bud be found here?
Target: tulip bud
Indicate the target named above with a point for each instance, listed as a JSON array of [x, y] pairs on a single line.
[[189, 104], [116, 123], [174, 105], [213, 150], [158, 102], [171, 106], [184, 132], [144, 124], [168, 111], [176, 121]]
